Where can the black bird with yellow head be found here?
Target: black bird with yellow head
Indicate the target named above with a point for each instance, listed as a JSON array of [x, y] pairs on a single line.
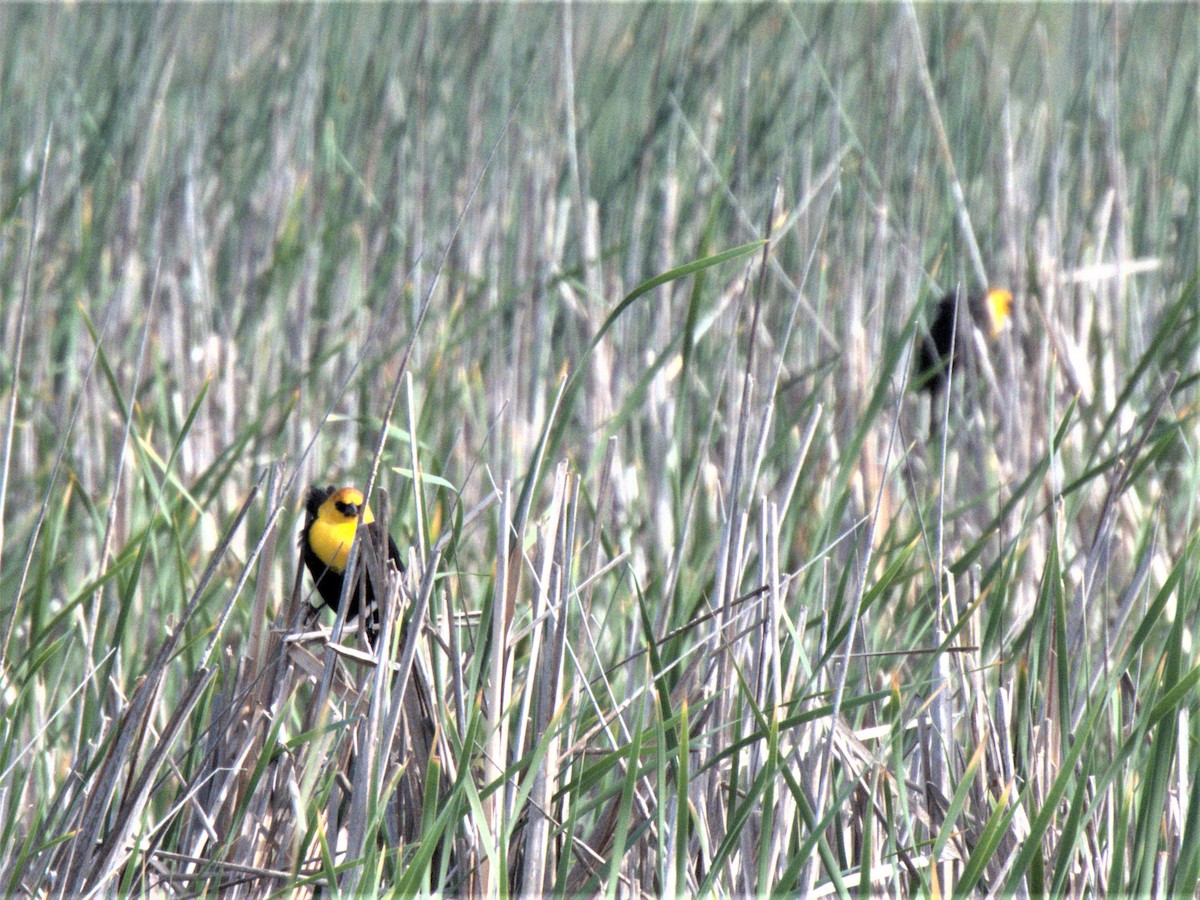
[[990, 311], [332, 517]]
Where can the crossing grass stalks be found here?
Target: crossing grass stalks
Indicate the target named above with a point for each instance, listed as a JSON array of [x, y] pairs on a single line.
[[613, 309]]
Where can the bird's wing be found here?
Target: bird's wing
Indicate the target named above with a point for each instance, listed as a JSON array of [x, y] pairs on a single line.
[[394, 554]]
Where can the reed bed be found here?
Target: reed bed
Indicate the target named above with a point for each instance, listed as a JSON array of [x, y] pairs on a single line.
[[613, 310]]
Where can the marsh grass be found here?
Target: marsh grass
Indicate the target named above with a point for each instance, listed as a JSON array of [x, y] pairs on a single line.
[[612, 308]]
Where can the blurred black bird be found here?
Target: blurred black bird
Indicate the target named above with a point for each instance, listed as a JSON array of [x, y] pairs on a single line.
[[990, 311]]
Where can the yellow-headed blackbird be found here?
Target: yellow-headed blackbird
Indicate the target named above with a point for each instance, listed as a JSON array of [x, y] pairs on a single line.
[[331, 520], [990, 311]]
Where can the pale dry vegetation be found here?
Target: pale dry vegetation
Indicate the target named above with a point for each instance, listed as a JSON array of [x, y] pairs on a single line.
[[693, 605]]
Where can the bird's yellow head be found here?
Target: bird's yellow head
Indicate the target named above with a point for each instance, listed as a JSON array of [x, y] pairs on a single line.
[[334, 524], [343, 506], [999, 309]]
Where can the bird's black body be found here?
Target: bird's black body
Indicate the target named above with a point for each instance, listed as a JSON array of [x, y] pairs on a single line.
[[933, 358]]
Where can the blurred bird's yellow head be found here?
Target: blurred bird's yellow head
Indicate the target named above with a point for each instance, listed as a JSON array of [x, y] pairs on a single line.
[[333, 527], [999, 310]]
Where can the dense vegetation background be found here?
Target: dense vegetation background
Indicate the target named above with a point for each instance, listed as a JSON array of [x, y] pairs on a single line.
[[705, 603]]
